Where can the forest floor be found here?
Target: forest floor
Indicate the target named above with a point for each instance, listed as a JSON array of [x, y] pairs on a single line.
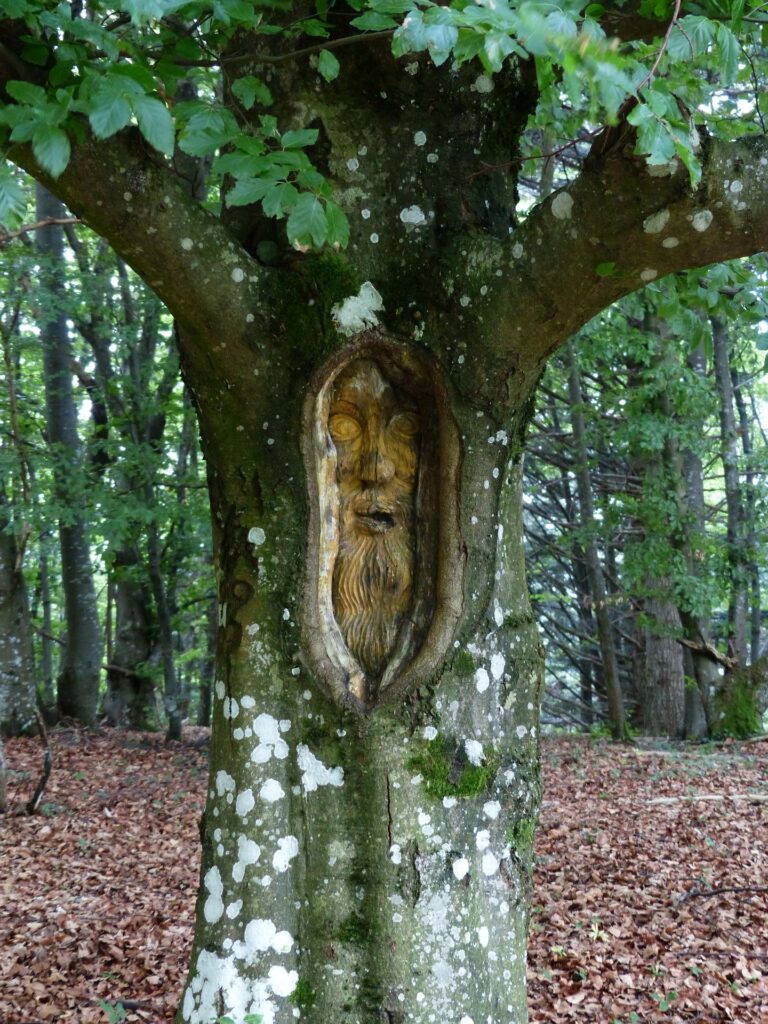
[[651, 900]]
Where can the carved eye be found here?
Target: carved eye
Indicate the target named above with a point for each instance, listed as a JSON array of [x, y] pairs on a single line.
[[343, 427], [405, 424]]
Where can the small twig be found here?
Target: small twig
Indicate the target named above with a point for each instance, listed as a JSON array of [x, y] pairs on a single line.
[[754, 798], [46, 223], [34, 802], [706, 893], [279, 58], [664, 45]]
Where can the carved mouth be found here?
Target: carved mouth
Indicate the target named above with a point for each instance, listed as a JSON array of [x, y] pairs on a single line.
[[376, 520]]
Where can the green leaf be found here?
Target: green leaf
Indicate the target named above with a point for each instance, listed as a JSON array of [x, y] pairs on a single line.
[[155, 123], [328, 65], [607, 269], [25, 92], [249, 190], [13, 204], [307, 222], [280, 199], [372, 21], [728, 54], [299, 138], [337, 226], [110, 113], [249, 90], [51, 148]]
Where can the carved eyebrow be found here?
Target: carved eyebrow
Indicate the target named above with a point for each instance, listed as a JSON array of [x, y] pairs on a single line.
[[341, 407]]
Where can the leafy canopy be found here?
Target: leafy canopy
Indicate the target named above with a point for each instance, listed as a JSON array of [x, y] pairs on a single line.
[[115, 65]]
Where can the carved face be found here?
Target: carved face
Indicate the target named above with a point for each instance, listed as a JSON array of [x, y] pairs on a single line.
[[376, 435]]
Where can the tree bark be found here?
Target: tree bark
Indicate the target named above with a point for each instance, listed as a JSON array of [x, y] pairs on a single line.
[[738, 602], [610, 666], [17, 666], [78, 683]]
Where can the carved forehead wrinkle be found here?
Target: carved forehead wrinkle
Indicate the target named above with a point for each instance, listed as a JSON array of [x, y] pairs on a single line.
[[362, 379]]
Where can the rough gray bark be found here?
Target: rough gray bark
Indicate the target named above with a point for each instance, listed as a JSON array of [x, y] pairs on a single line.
[[78, 683], [742, 388]]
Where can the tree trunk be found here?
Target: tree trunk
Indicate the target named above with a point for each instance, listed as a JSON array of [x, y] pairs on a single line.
[[17, 667], [661, 675], [78, 683], [130, 688], [610, 667], [738, 603], [741, 384]]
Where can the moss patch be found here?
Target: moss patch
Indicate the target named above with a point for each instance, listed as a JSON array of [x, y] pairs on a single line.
[[738, 714], [520, 836], [303, 996], [446, 770]]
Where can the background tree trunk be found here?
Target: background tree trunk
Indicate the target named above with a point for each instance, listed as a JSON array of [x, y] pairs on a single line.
[[78, 683], [17, 667]]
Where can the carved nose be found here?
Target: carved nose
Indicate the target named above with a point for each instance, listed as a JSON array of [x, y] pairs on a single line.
[[377, 468]]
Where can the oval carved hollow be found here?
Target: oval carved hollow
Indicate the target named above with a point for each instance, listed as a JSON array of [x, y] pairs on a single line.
[[383, 585]]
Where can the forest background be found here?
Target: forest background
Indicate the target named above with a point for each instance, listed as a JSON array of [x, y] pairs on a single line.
[[645, 501]]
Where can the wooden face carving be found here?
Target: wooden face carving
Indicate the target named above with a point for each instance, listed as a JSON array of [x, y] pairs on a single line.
[[383, 585], [375, 432]]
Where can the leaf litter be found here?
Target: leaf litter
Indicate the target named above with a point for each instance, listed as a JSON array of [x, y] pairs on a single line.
[[642, 911]]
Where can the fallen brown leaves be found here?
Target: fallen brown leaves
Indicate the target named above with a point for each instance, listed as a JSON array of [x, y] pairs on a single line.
[[97, 893], [646, 911]]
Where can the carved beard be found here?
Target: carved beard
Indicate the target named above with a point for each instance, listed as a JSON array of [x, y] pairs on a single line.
[[372, 587]]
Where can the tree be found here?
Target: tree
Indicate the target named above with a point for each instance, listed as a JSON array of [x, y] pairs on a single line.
[[367, 839]]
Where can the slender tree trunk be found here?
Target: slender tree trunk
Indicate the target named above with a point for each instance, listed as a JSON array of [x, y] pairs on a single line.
[[610, 667], [738, 604], [740, 385], [17, 667], [78, 683]]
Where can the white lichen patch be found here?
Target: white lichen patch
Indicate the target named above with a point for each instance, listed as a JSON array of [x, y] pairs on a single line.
[[271, 743], [256, 536], [244, 803], [395, 853], [670, 242], [186, 244], [702, 219], [233, 909], [224, 783], [283, 982], [482, 84], [492, 809], [648, 275], [562, 206], [314, 772], [460, 867], [497, 666], [248, 852], [489, 864], [483, 936], [214, 905], [358, 312], [430, 733], [231, 708], [287, 849], [656, 222], [413, 216], [474, 751], [419, 139], [271, 791], [483, 839], [482, 680], [238, 275]]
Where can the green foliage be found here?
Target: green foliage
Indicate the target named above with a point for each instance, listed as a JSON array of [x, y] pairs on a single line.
[[120, 69], [447, 772]]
